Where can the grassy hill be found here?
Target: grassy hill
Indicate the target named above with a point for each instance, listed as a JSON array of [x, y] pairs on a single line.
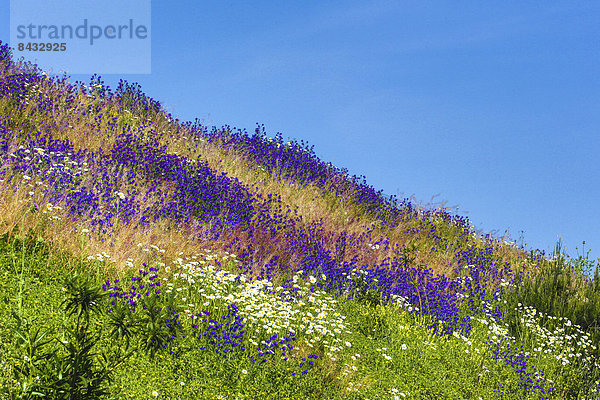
[[145, 257]]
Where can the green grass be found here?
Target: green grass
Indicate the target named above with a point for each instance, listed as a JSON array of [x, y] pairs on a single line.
[[384, 351]]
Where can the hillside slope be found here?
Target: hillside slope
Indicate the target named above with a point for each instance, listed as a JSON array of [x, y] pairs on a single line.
[[119, 184]]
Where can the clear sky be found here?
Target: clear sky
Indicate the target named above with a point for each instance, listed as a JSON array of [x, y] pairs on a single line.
[[493, 107]]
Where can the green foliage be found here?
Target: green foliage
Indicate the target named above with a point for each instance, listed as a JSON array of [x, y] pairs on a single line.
[[557, 290], [155, 334], [409, 255], [75, 350], [83, 297], [121, 323], [583, 265], [561, 292], [392, 353], [75, 370], [29, 355], [373, 322], [366, 292]]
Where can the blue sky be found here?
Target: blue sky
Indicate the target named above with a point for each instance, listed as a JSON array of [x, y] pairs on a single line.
[[493, 107]]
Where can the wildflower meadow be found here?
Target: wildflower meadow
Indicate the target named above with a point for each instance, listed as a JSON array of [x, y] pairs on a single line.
[[145, 257]]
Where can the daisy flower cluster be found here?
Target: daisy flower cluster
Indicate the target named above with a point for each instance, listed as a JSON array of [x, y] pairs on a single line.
[[566, 343], [267, 309]]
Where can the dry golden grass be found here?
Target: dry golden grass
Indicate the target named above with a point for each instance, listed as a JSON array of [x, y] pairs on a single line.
[[91, 123], [125, 241]]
